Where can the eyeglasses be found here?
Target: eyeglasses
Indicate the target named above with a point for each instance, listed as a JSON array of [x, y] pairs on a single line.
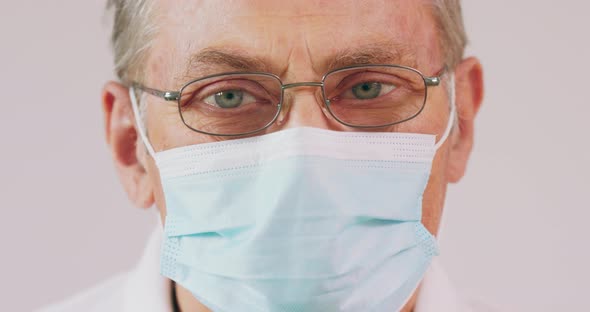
[[243, 103]]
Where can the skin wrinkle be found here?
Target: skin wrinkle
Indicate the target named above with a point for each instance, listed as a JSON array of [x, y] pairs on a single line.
[[309, 53], [216, 60], [446, 12]]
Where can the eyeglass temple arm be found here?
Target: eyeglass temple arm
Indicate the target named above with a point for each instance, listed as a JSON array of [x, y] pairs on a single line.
[[166, 95]]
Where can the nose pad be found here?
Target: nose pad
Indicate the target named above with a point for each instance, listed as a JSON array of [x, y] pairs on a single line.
[[287, 100], [325, 108]]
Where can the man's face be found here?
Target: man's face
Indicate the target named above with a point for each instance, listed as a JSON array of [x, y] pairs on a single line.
[[297, 41]]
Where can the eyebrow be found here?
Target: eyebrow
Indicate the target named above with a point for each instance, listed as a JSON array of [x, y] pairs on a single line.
[[234, 60], [210, 59], [376, 53]]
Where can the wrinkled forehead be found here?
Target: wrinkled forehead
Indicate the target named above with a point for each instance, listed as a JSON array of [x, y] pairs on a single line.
[[301, 39]]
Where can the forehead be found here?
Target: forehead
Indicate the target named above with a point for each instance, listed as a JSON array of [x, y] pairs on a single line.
[[288, 36]]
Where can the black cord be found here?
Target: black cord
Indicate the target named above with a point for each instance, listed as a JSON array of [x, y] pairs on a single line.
[[174, 300]]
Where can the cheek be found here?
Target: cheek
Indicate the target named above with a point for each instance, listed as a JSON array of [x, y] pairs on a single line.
[[432, 120], [154, 176], [166, 129], [434, 195]]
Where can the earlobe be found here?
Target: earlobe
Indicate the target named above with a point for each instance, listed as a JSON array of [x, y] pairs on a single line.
[[469, 96], [121, 136]]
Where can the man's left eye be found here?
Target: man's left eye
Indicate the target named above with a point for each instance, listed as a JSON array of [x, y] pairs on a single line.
[[368, 90]]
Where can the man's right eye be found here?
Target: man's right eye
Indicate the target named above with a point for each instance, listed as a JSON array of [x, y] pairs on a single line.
[[230, 98]]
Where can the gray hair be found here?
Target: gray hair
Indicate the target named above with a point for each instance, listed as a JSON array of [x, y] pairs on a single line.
[[448, 16], [133, 32], [131, 36]]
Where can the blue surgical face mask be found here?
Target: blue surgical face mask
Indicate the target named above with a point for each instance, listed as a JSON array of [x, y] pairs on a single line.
[[303, 219]]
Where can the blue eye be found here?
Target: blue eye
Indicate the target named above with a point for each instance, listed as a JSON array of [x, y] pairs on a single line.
[[229, 98], [368, 90]]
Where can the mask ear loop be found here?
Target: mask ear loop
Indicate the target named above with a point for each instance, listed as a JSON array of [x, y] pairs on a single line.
[[452, 117], [451, 122], [146, 142], [140, 128]]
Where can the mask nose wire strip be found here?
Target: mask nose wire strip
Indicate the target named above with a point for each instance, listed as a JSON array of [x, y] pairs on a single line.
[[140, 126], [451, 121]]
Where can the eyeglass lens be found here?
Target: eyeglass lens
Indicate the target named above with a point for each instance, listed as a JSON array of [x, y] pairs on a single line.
[[234, 104]]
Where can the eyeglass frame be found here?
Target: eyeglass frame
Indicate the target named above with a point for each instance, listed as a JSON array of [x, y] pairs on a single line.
[[429, 81]]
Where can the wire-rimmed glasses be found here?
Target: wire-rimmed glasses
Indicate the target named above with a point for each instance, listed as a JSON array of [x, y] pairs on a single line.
[[243, 103]]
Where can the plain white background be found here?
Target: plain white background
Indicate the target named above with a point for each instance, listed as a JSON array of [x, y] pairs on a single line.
[[516, 230]]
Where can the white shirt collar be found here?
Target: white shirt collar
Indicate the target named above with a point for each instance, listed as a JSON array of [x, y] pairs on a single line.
[[148, 291]]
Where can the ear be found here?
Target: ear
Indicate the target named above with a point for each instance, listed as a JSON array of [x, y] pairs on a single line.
[[121, 136], [469, 95]]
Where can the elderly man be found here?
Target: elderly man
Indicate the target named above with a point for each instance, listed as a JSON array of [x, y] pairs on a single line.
[[298, 152]]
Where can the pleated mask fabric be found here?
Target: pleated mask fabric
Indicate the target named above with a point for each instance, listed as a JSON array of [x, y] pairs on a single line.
[[303, 219]]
